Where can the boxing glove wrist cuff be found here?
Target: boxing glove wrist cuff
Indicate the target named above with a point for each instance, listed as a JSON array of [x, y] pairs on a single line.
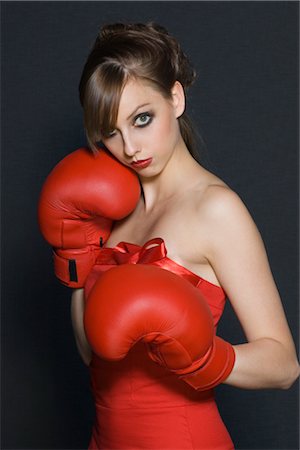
[[215, 369], [73, 266]]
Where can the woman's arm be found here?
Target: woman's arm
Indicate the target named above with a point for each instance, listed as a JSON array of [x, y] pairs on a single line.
[[77, 311], [237, 254]]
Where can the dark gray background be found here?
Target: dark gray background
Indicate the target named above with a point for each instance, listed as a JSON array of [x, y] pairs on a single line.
[[245, 104]]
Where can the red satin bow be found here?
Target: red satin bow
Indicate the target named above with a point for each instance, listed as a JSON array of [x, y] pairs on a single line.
[[152, 251]]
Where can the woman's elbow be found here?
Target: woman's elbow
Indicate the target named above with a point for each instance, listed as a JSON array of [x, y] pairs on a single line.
[[292, 373]]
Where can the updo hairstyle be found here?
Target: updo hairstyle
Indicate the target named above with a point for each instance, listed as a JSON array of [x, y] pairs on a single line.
[[124, 51]]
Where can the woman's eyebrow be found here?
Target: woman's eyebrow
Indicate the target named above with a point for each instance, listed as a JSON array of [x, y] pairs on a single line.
[[138, 107]]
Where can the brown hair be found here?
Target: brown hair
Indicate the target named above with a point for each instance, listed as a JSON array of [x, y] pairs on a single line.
[[123, 51]]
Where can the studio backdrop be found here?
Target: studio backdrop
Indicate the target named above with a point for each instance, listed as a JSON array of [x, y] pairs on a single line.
[[245, 107]]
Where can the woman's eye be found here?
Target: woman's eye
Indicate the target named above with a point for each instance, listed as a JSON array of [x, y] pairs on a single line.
[[143, 119], [110, 134]]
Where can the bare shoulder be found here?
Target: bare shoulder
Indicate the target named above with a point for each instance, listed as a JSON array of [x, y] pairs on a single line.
[[219, 204], [222, 220]]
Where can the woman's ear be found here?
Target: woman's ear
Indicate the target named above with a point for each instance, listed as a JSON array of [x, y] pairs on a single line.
[[178, 97]]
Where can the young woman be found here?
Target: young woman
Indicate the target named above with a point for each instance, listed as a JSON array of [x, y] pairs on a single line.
[[133, 90]]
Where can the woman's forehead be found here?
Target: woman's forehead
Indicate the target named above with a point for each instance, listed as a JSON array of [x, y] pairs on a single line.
[[137, 93]]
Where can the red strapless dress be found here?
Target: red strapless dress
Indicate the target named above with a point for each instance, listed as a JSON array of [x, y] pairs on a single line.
[[140, 405]]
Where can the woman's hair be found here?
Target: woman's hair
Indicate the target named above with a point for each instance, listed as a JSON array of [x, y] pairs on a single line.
[[124, 51]]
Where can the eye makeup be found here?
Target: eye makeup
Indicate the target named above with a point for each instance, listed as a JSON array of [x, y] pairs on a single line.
[[143, 119]]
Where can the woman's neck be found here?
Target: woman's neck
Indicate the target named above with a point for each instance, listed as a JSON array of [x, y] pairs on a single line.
[[181, 171]]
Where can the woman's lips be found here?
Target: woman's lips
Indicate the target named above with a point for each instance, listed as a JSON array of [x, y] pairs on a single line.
[[142, 163]]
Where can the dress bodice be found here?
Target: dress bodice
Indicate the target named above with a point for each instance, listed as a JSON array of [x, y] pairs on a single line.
[[154, 252]]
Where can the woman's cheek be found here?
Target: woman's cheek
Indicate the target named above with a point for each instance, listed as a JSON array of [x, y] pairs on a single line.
[[114, 147], [169, 133]]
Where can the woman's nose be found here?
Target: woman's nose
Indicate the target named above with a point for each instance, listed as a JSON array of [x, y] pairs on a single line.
[[130, 146]]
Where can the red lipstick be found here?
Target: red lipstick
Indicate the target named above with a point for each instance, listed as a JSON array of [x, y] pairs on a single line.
[[142, 163]]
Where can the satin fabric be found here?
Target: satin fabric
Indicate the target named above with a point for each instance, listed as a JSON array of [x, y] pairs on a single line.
[[140, 405]]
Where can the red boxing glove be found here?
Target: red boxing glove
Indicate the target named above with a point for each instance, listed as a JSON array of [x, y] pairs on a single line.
[[79, 201], [129, 303]]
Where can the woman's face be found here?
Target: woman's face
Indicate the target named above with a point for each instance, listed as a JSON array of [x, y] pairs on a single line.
[[147, 130]]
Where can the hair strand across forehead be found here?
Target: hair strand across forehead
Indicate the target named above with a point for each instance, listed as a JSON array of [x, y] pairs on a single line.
[[101, 102]]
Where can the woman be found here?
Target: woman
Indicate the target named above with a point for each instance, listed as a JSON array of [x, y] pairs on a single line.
[[133, 94]]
